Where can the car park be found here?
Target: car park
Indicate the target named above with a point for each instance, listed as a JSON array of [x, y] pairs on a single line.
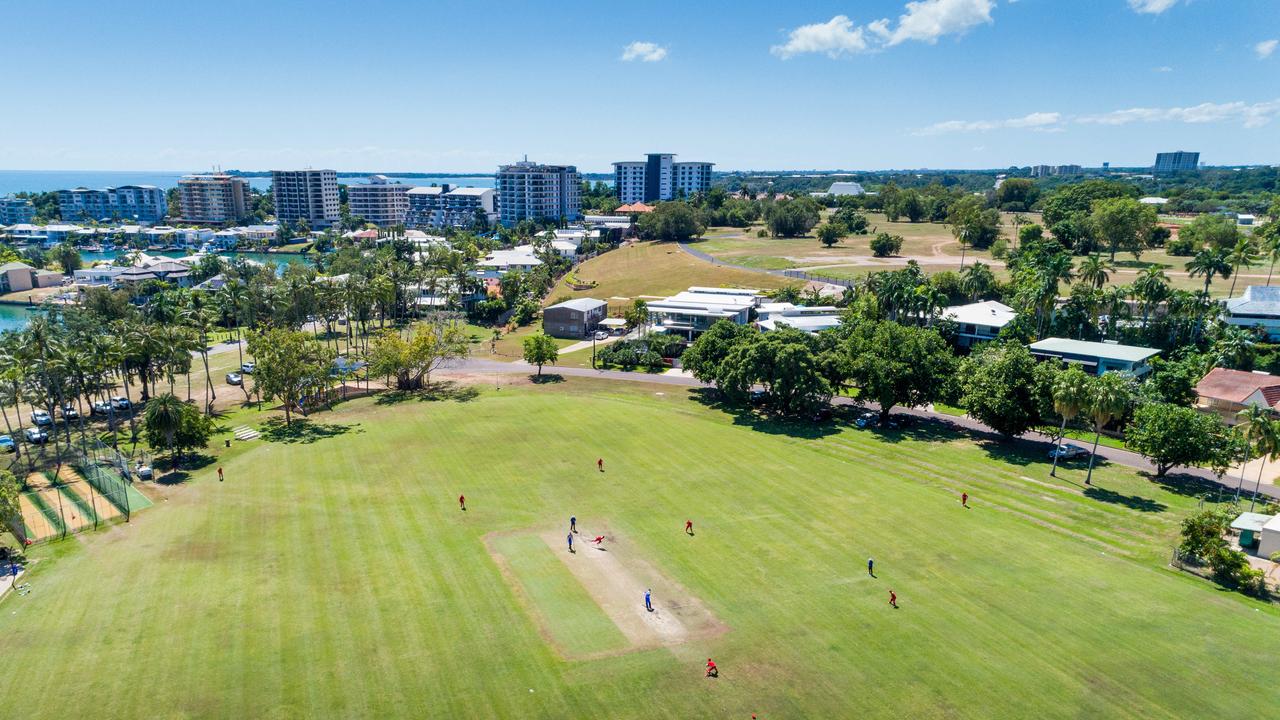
[[36, 435], [100, 407], [69, 412], [234, 378]]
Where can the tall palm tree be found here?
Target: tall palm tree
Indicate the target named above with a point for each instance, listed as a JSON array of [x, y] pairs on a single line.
[[1095, 271], [164, 413], [1210, 262], [1110, 398], [977, 280], [1152, 288], [1244, 254], [1266, 443], [1070, 396], [1270, 247], [1252, 423]]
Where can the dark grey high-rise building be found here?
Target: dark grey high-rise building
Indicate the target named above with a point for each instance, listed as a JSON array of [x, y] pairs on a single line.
[[1177, 161]]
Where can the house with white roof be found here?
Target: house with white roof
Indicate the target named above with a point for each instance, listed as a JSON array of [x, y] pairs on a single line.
[[1258, 308], [1095, 358], [98, 276], [810, 319], [978, 322], [692, 312], [500, 262]]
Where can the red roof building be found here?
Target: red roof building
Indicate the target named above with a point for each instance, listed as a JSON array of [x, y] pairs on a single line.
[[1227, 392]]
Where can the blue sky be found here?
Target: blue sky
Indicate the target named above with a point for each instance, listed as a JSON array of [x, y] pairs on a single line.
[[463, 86]]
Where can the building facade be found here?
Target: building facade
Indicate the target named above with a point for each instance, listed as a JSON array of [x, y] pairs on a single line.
[[14, 211], [1180, 161], [310, 195], [529, 191], [1095, 358], [574, 318], [140, 203], [443, 206], [214, 198], [659, 177], [379, 201]]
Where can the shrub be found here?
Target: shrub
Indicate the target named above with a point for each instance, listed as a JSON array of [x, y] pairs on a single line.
[[762, 233], [884, 244], [1181, 246]]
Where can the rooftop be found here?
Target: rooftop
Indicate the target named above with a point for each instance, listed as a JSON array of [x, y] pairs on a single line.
[[988, 312], [1251, 521], [1257, 300], [1237, 385], [1104, 350], [580, 304]]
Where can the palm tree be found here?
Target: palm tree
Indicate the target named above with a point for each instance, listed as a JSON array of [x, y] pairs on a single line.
[[1252, 423], [1245, 255], [1270, 250], [1070, 396], [1265, 433], [1109, 399], [1152, 287], [1095, 271], [1210, 262], [977, 280], [164, 414]]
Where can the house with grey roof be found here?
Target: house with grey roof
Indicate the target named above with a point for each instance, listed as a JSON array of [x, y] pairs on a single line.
[[1258, 308], [574, 318], [18, 276], [1095, 358]]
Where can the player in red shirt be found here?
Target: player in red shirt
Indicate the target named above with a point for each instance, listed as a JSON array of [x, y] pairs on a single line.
[[964, 499], [893, 599], [462, 501], [712, 670], [599, 540], [688, 527], [600, 464]]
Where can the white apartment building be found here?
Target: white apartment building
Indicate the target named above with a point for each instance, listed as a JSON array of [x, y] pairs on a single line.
[[659, 178], [306, 194], [443, 206], [529, 191], [379, 201], [216, 198]]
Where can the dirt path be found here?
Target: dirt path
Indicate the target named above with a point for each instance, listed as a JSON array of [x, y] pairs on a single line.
[[616, 578]]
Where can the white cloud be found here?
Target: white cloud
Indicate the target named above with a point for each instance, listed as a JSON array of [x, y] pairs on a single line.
[[834, 37], [644, 52], [1164, 69], [1264, 49], [1040, 121], [1250, 115], [1151, 7], [921, 20], [928, 20]]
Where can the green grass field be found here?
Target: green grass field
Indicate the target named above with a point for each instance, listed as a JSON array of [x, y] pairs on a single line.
[[333, 575]]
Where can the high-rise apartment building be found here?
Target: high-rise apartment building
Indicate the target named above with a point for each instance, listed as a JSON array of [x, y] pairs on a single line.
[[1179, 161], [214, 199], [137, 203], [529, 191], [1048, 170], [442, 206], [380, 201], [659, 177], [306, 194], [16, 210]]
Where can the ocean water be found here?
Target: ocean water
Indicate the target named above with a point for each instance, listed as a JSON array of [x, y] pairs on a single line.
[[13, 317], [12, 181]]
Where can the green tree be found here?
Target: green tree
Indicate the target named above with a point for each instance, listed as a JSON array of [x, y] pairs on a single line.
[[674, 221], [1017, 194], [10, 509], [851, 219], [173, 425], [1260, 431], [1109, 398], [1209, 262], [1123, 222], [895, 364], [789, 363], [1171, 436], [67, 255], [1070, 396], [830, 233], [973, 224], [1075, 201], [704, 356], [885, 245], [1244, 254], [1211, 230], [412, 361], [792, 218], [289, 365], [637, 316], [1095, 271], [977, 280], [540, 349], [998, 388]]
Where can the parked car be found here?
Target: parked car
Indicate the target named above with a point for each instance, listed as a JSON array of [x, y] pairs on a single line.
[[100, 407], [121, 403], [1067, 451], [602, 335], [69, 412], [248, 367], [7, 444], [758, 397], [234, 378], [41, 418], [36, 435], [867, 419], [143, 471], [821, 415]]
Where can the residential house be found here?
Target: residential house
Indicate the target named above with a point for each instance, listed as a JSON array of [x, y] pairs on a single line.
[[97, 276], [18, 276], [1227, 392], [1258, 308], [1096, 358], [166, 271], [978, 322], [574, 318], [692, 312], [500, 262], [810, 319]]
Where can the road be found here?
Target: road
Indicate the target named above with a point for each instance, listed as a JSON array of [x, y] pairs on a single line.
[[1032, 440]]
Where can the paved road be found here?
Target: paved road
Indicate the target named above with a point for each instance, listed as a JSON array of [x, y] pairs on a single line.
[[1032, 440]]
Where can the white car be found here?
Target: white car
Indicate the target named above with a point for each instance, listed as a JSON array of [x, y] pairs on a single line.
[[36, 435], [101, 407], [234, 378], [248, 367], [602, 335], [41, 418], [120, 403]]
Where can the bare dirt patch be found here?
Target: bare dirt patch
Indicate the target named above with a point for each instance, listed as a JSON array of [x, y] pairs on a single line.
[[616, 577]]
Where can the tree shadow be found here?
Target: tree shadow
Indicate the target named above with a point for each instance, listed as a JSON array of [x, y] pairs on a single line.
[[1189, 485], [303, 430], [437, 391], [1133, 502], [173, 477], [760, 421], [546, 379]]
